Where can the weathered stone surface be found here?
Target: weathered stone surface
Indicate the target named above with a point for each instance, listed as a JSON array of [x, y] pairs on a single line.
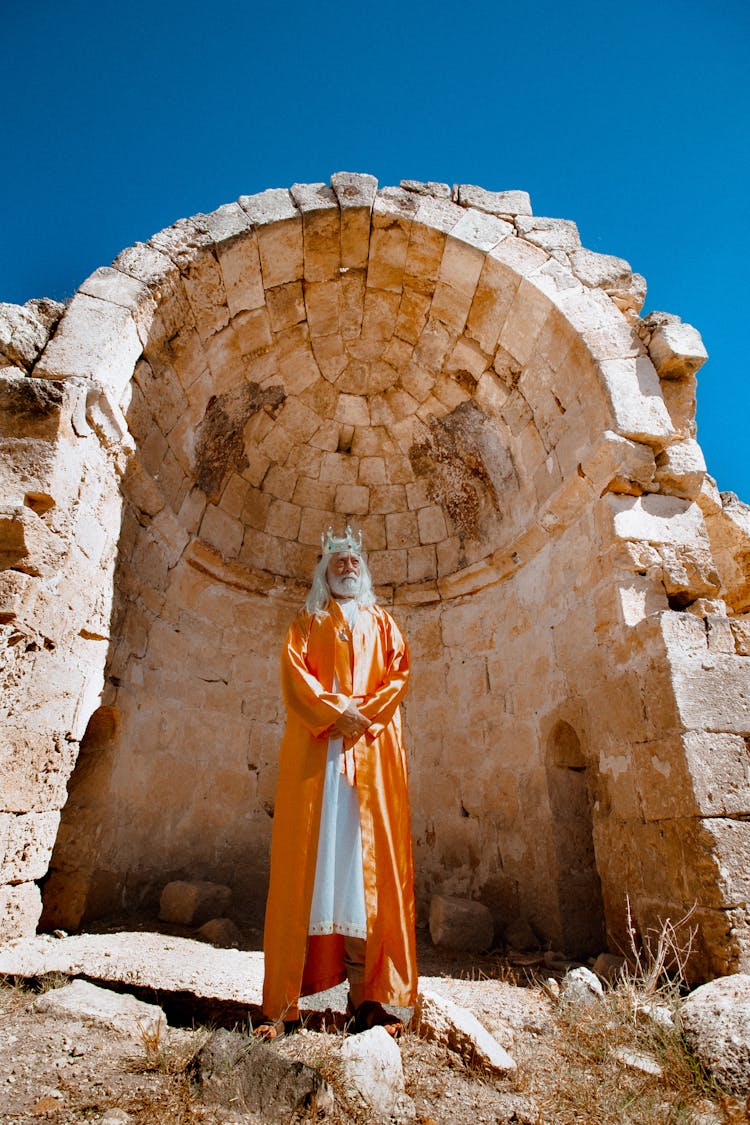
[[26, 543], [549, 234], [95, 340], [25, 329], [680, 469], [20, 907], [373, 1076], [494, 202], [232, 1070], [439, 1019], [457, 923], [192, 904], [715, 1019], [139, 959], [115, 1010]]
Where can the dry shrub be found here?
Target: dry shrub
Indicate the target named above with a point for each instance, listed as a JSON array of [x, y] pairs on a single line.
[[636, 1014]]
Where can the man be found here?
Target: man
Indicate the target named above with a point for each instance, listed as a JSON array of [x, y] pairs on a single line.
[[341, 896]]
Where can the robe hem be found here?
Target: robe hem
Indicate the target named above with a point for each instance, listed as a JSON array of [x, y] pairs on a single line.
[[345, 929]]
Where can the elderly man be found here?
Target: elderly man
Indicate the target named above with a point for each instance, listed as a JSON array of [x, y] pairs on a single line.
[[341, 898]]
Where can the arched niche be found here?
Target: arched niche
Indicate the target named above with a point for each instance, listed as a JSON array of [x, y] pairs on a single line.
[[579, 896], [472, 388]]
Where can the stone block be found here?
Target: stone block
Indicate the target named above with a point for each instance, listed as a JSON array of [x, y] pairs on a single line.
[[680, 469], [457, 923], [639, 411], [428, 187], [278, 227], [494, 202], [321, 230], [402, 530], [549, 234], [26, 843], [677, 351], [193, 903], [20, 909], [356, 194], [29, 408], [25, 329], [719, 772], [713, 694], [389, 244], [95, 340], [658, 519], [121, 289], [352, 499]]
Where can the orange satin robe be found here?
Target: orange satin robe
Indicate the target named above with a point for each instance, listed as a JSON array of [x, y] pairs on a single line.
[[371, 661]]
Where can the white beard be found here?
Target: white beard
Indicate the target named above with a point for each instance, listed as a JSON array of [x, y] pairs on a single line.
[[345, 586]]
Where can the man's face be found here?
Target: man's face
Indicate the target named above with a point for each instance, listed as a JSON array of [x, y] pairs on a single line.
[[344, 575]]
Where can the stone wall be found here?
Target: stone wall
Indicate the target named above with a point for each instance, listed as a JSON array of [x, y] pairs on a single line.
[[478, 393]]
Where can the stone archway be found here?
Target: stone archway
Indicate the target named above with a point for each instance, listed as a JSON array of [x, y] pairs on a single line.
[[476, 391]]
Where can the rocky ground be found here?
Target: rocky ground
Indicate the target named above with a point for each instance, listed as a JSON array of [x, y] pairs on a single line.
[[586, 1063]]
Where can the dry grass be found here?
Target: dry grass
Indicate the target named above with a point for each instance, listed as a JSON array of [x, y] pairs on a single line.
[[637, 1014]]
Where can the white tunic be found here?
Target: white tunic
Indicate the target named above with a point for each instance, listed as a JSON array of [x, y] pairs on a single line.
[[338, 902]]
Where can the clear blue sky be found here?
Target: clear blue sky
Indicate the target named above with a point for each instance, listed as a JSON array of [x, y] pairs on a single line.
[[632, 119]]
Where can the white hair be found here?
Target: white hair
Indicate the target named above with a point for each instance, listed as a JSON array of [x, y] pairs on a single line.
[[320, 592]]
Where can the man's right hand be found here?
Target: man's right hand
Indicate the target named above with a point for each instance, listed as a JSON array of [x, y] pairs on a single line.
[[352, 723]]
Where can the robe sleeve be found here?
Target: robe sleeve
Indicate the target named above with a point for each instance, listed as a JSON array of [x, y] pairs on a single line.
[[380, 706], [303, 693]]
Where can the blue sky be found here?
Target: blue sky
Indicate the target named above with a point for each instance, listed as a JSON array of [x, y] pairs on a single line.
[[117, 119]]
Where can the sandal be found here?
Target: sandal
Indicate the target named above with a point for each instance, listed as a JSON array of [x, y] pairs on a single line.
[[371, 1014], [268, 1029]]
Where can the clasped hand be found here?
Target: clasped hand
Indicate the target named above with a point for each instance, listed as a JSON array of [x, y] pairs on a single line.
[[352, 723]]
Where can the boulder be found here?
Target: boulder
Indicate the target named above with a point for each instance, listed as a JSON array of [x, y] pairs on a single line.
[[372, 1074], [237, 1072], [519, 935], [193, 903], [459, 923], [715, 1020]]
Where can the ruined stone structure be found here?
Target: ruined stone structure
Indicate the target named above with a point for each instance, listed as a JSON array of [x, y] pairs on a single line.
[[475, 390]]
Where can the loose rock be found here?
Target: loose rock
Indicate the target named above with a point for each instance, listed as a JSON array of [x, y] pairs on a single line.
[[221, 932], [119, 1011], [715, 1019], [192, 904], [581, 987], [438, 1018], [372, 1074], [458, 923], [232, 1069]]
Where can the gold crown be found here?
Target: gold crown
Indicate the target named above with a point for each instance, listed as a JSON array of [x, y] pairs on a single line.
[[336, 545]]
